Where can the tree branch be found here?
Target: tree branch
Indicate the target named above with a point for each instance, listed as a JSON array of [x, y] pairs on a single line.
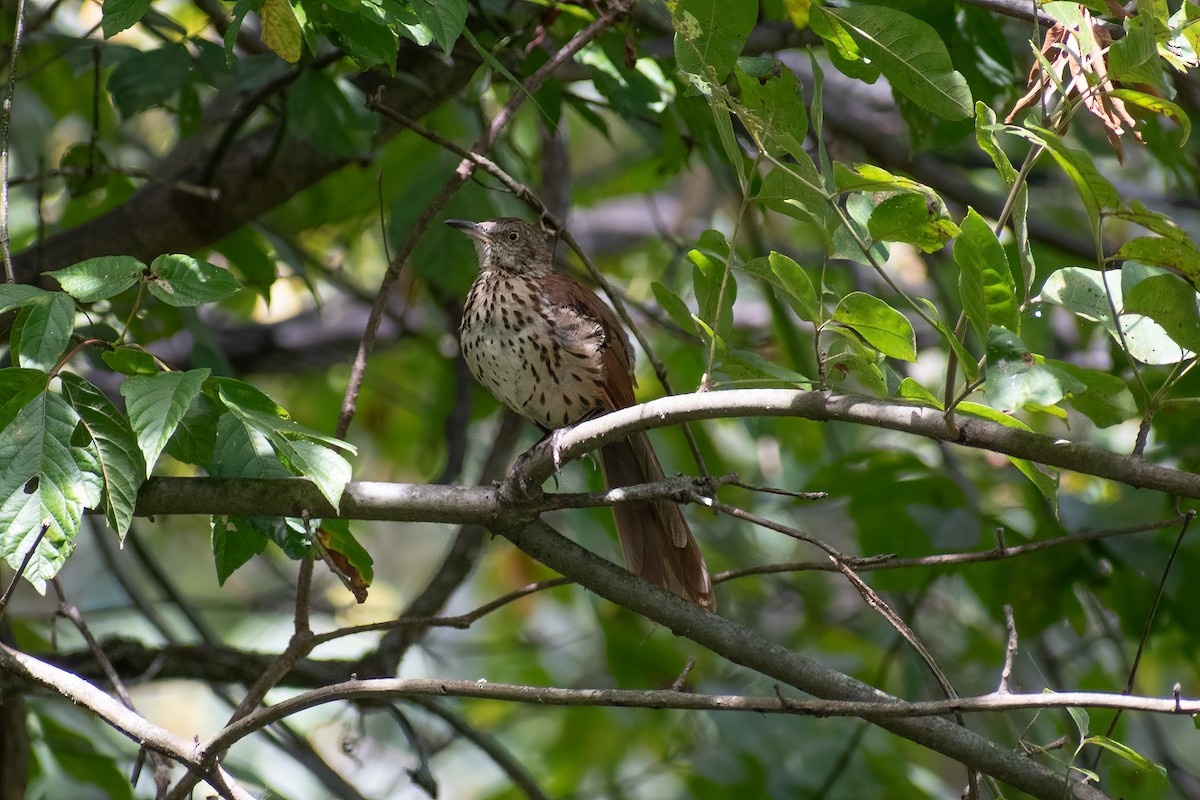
[[742, 645], [482, 505]]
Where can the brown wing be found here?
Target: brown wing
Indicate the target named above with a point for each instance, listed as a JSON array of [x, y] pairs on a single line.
[[576, 301]]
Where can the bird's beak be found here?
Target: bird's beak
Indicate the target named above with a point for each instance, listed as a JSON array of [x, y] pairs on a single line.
[[472, 229]]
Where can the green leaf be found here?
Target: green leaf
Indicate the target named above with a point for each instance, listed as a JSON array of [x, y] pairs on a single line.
[[1106, 400], [44, 331], [130, 361], [1017, 379], [795, 189], [1046, 484], [1082, 722], [710, 34], [870, 178], [321, 113], [674, 306], [18, 295], [1179, 255], [1128, 753], [912, 219], [1165, 298], [401, 18], [790, 279], [1082, 292], [262, 413], [351, 557], [84, 165], [842, 48], [710, 272], [361, 29], [122, 467], [908, 52], [44, 482], [772, 108], [180, 280], [149, 78], [319, 463], [119, 15], [74, 754], [729, 142], [444, 19], [237, 16], [883, 327], [1137, 213], [196, 434], [965, 360], [1157, 105], [281, 30], [915, 392], [99, 278], [745, 365], [242, 452], [985, 279], [234, 542], [1134, 57], [985, 137], [156, 404], [18, 387], [1097, 192], [250, 256]]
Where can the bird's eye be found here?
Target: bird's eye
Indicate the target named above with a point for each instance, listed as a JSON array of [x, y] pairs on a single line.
[[513, 236]]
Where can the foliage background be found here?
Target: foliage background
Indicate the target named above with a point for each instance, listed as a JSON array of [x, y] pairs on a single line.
[[120, 132]]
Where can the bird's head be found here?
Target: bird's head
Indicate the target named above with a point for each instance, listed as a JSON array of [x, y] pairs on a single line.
[[508, 244]]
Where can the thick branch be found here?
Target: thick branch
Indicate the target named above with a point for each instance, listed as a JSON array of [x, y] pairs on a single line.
[[743, 646], [482, 505], [254, 176]]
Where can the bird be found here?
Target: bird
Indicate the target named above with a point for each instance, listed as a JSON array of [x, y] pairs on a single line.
[[549, 349]]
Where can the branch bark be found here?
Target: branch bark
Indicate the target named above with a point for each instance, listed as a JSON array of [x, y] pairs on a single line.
[[484, 505], [742, 645]]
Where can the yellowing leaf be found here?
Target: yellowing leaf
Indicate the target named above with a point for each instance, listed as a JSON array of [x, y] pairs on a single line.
[[797, 11], [281, 29]]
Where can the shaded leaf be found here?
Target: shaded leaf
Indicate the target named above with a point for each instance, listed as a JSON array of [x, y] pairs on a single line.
[[709, 35], [156, 404], [99, 278], [912, 219], [180, 280], [43, 330], [122, 467], [1082, 292], [792, 282], [43, 482], [119, 15], [985, 280], [444, 19], [883, 327], [281, 30], [1176, 254], [1046, 484], [908, 52]]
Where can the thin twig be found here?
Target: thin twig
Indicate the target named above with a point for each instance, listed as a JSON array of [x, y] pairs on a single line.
[[12, 585], [6, 141], [997, 553], [461, 175], [1146, 626], [490, 745]]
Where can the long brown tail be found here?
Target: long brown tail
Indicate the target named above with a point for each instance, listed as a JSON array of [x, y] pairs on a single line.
[[655, 538]]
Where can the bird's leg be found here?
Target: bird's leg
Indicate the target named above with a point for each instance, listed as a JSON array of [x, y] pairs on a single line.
[[557, 434]]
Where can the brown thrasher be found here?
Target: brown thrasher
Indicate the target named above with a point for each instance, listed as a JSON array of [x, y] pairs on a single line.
[[550, 350]]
